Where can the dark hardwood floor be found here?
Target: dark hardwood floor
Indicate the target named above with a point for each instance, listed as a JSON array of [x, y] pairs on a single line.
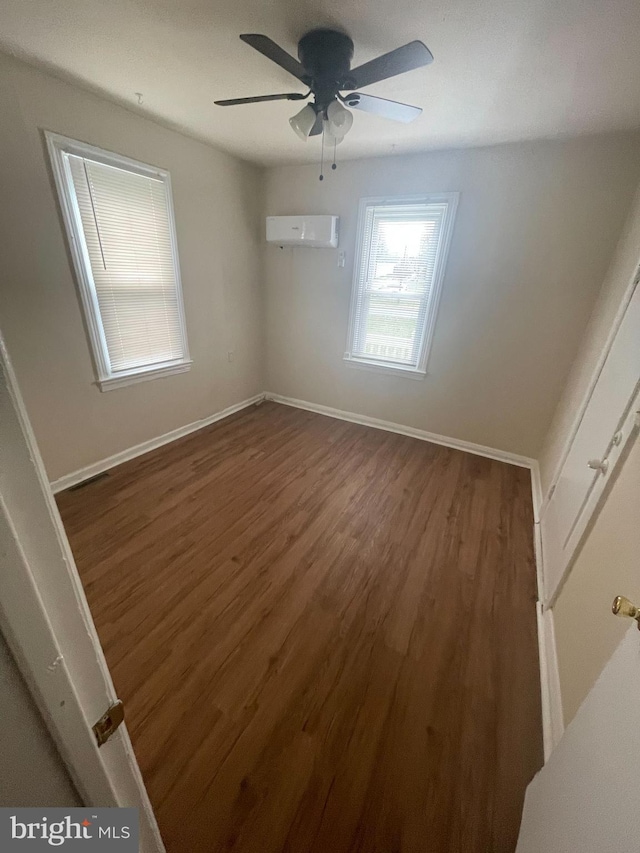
[[324, 636]]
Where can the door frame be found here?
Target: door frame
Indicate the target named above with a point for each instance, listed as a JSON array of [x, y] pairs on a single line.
[[47, 623]]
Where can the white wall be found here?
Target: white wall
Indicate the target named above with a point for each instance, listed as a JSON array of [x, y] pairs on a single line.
[[536, 227], [32, 771], [218, 219]]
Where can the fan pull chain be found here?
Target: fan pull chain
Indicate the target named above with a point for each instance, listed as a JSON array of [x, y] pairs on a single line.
[[321, 178], [333, 165]]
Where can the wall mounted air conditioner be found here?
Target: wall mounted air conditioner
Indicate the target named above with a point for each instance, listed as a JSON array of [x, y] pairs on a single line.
[[314, 232]]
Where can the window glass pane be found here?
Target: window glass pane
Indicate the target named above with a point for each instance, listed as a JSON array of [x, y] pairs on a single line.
[[391, 326], [399, 254], [128, 236], [400, 250]]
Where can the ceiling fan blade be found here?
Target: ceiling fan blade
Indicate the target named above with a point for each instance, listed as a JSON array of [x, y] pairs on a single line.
[[316, 130], [382, 107], [289, 96], [275, 53], [406, 58]]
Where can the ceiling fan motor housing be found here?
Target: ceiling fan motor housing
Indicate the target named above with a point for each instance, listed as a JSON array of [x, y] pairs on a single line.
[[326, 56], [324, 66]]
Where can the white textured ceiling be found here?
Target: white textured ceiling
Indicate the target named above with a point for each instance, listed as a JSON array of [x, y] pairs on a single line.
[[504, 69]]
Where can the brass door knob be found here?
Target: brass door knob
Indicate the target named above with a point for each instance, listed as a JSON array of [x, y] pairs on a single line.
[[623, 607]]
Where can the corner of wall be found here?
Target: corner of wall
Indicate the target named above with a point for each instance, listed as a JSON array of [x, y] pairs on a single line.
[[264, 277]]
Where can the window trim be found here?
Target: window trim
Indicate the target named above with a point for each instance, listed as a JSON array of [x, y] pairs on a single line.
[[379, 366], [106, 378]]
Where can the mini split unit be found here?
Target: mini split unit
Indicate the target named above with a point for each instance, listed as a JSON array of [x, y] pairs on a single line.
[[313, 232]]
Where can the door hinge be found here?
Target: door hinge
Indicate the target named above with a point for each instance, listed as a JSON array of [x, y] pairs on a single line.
[[109, 722]]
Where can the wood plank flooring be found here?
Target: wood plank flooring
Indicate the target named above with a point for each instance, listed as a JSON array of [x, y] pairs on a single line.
[[324, 636]]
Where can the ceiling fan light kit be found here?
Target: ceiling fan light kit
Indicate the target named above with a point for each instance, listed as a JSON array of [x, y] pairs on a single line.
[[324, 66], [339, 120], [302, 123]]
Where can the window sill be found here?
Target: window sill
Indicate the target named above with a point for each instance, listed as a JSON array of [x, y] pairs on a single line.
[[376, 367], [143, 375]]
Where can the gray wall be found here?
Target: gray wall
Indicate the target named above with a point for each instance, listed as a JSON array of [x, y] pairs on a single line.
[[218, 221], [536, 227], [32, 772]]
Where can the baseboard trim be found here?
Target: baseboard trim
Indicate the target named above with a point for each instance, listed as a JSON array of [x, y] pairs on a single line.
[[423, 435], [550, 694], [537, 547], [88, 471], [552, 714], [536, 490]]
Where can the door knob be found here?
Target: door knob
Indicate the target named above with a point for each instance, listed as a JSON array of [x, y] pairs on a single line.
[[623, 607], [598, 465]]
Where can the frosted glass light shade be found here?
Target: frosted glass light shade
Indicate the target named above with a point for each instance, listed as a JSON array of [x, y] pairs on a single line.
[[339, 120], [303, 122]]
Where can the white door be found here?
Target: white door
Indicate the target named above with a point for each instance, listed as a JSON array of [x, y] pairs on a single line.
[[45, 618], [586, 799], [608, 422]]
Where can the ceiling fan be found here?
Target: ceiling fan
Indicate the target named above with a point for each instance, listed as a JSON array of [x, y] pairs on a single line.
[[324, 65]]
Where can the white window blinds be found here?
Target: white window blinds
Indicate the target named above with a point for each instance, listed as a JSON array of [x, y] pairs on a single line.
[[123, 243], [397, 278]]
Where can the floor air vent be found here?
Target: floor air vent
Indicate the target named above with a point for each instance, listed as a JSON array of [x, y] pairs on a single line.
[[88, 482]]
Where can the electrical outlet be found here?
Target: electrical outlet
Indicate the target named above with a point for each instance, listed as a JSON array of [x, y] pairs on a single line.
[[341, 259], [230, 354]]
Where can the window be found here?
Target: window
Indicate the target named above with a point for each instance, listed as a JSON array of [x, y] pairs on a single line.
[[119, 219], [401, 255]]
